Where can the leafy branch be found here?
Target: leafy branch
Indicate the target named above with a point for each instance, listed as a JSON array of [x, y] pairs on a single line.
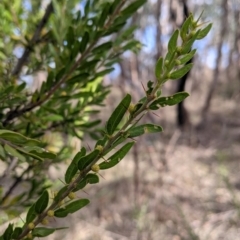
[[172, 66]]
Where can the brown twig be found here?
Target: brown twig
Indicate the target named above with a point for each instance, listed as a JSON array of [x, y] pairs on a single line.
[[33, 41]]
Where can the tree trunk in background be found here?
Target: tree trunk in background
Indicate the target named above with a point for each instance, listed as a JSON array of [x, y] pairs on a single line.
[[182, 115], [224, 23], [158, 30], [233, 71]]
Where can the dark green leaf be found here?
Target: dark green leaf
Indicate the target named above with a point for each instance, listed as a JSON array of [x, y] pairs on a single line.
[[142, 129], [118, 114], [104, 72], [7, 235], [78, 78], [104, 15], [42, 231], [159, 68], [71, 208], [168, 101], [84, 42], [17, 231], [86, 160], [88, 124], [73, 167], [2, 152], [204, 32], [101, 48], [172, 44], [31, 214], [48, 155], [117, 156], [60, 193], [181, 72], [42, 202], [89, 179], [133, 7]]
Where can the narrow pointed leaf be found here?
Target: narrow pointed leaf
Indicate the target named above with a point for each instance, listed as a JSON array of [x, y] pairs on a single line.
[[31, 214], [117, 156], [181, 72], [17, 231], [89, 179], [187, 57], [60, 192], [86, 160], [188, 46], [133, 7], [185, 27], [172, 44], [118, 114], [204, 32], [73, 167], [14, 152], [84, 42], [168, 101], [142, 129], [42, 202], [7, 235], [71, 208], [42, 231], [158, 68]]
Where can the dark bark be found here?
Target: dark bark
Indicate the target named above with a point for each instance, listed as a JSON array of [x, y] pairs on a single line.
[[182, 115]]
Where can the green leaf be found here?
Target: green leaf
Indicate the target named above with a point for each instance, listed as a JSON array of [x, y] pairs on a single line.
[[142, 129], [86, 160], [60, 193], [104, 15], [172, 44], [133, 7], [104, 72], [48, 155], [88, 124], [187, 47], [185, 27], [73, 167], [78, 78], [204, 32], [89, 179], [181, 72], [17, 231], [168, 101], [16, 138], [70, 36], [118, 114], [84, 42], [42, 231], [102, 47], [53, 117], [8, 232], [187, 57], [117, 156], [14, 152], [2, 152], [42, 202], [31, 214], [158, 68], [71, 208]]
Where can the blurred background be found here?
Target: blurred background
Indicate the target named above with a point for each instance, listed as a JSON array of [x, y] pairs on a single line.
[[185, 182]]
